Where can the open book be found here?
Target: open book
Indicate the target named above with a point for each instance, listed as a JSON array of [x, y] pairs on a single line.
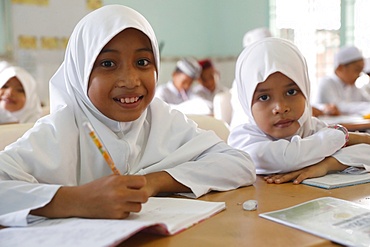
[[159, 215], [338, 220], [348, 177]]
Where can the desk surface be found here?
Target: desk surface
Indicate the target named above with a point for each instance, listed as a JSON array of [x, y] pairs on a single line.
[[352, 123], [237, 227]]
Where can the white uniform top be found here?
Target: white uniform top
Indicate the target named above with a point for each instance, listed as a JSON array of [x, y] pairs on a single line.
[[169, 94], [349, 99], [31, 111], [58, 151], [6, 117], [313, 140], [206, 94]]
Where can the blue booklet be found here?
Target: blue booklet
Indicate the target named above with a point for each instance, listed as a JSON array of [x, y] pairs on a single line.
[[348, 177]]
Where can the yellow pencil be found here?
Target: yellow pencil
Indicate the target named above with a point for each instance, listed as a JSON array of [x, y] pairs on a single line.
[[101, 148]]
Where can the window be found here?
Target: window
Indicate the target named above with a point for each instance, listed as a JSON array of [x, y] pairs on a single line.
[[313, 25]]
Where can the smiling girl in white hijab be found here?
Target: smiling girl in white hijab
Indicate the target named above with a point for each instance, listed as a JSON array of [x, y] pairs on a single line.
[[18, 94], [108, 79], [281, 135]]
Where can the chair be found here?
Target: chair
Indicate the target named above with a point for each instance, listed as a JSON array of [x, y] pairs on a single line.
[[9, 133], [220, 127], [222, 108]]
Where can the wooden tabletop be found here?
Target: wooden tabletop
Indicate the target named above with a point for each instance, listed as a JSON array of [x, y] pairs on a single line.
[[352, 123], [237, 227]]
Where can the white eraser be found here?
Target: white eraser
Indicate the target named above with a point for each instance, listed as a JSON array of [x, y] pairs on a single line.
[[250, 205]]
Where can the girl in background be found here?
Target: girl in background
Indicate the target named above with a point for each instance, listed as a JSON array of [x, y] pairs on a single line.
[[282, 137], [18, 95]]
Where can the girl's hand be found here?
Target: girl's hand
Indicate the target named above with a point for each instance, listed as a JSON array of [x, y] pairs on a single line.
[[111, 197], [318, 170], [358, 138]]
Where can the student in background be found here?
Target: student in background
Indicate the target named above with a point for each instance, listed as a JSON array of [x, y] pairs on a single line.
[[178, 89], [18, 94], [178, 92], [339, 88], [366, 86], [281, 135], [209, 82], [108, 79]]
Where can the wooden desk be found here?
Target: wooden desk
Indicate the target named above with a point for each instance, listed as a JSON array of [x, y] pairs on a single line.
[[352, 123], [237, 227]]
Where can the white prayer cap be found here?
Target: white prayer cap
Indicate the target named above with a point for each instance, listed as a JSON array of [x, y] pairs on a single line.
[[255, 35], [367, 66], [190, 67], [346, 55]]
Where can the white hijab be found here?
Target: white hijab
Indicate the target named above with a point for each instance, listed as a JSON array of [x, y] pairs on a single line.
[[31, 111], [263, 58], [69, 85]]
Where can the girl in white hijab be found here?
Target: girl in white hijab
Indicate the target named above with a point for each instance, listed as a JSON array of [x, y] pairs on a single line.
[[108, 79], [18, 94], [280, 134]]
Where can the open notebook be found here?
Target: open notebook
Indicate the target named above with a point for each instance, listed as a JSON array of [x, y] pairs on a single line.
[[166, 216], [341, 221]]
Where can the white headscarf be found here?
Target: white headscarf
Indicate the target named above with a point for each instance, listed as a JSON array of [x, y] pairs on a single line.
[[69, 85], [263, 58], [31, 111]]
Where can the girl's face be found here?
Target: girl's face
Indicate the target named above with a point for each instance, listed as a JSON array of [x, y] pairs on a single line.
[[12, 95], [277, 105], [122, 81]]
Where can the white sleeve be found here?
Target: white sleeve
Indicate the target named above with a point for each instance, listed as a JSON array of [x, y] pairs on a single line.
[[283, 156], [219, 168], [354, 155]]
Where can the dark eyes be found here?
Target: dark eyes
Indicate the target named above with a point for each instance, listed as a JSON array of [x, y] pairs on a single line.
[[292, 92], [263, 98], [140, 62], [107, 64], [143, 62]]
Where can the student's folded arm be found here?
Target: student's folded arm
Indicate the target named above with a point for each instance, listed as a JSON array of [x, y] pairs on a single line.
[[219, 168], [285, 156]]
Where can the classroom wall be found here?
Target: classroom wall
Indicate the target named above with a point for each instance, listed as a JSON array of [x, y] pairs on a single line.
[[206, 28]]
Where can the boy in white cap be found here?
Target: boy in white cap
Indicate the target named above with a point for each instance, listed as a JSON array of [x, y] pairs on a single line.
[[178, 89], [178, 92], [339, 88]]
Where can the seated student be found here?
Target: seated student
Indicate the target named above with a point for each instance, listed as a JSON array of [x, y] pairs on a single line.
[[18, 94], [108, 79], [281, 135], [178, 89], [209, 84], [339, 88], [366, 86], [178, 92]]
